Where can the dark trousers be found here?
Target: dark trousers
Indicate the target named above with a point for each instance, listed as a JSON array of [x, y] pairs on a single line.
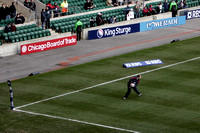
[[129, 90], [47, 23], [78, 35], [174, 13]]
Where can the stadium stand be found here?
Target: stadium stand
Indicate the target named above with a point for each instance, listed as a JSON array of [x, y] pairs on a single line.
[[24, 33], [100, 4], [66, 23]]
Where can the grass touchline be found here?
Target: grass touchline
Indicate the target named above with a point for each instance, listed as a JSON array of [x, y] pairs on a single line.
[[105, 83]]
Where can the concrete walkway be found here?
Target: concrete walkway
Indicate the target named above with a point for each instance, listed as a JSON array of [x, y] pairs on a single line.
[[14, 67]]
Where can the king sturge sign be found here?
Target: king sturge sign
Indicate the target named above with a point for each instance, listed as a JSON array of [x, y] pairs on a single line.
[[47, 45], [113, 31]]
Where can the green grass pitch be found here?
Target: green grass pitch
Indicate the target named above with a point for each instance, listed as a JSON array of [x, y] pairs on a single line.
[[170, 102]]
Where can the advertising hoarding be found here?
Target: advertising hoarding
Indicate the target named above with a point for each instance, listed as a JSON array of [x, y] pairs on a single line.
[[48, 45]]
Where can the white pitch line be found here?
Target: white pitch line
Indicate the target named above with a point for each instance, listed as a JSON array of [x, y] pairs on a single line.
[[84, 122], [106, 83]]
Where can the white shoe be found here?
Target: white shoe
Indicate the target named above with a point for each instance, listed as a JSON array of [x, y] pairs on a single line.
[[124, 98], [140, 94]]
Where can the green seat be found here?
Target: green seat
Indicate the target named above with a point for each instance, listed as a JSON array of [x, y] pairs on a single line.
[[13, 33], [24, 37], [25, 31], [36, 34], [32, 35], [12, 38], [17, 32], [5, 35], [47, 32], [20, 37], [40, 33], [28, 36], [16, 37], [62, 29], [44, 33]]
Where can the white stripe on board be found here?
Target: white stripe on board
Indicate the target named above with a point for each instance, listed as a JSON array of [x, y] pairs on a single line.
[[84, 122], [106, 83]]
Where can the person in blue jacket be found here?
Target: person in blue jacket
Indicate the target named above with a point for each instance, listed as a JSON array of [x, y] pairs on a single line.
[[132, 84]]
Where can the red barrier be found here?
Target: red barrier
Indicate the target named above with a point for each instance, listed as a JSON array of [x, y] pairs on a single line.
[[48, 45]]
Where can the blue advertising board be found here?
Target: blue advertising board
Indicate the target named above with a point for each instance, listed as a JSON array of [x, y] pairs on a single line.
[[192, 14], [113, 31], [162, 23], [142, 63]]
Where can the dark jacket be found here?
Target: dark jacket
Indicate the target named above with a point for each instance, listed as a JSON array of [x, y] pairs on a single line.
[[166, 7], [99, 20], [86, 5], [7, 29], [2, 13], [32, 6], [48, 14], [134, 80], [13, 28], [12, 9], [19, 20], [43, 16]]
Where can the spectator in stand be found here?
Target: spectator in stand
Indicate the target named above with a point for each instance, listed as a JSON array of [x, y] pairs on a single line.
[[43, 18], [13, 27], [130, 2], [152, 10], [165, 5], [7, 28], [48, 16], [32, 5], [3, 12], [159, 8], [126, 10], [137, 10], [185, 4], [99, 19], [7, 11], [173, 8], [112, 19], [78, 28], [56, 10], [22, 17], [182, 4], [109, 3], [130, 15], [49, 5], [92, 22], [19, 19], [87, 5], [64, 6], [13, 10], [146, 11], [26, 3], [92, 4], [120, 2], [114, 2]]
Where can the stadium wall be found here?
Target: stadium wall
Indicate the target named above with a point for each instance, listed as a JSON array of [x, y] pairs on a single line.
[[14, 48]]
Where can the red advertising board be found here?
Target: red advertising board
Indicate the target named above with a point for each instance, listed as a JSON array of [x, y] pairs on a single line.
[[48, 45]]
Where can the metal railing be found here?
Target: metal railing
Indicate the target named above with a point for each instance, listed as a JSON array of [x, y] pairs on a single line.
[[71, 10]]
